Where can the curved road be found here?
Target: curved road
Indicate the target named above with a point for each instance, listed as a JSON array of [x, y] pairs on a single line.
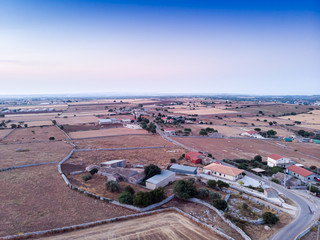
[[307, 212]]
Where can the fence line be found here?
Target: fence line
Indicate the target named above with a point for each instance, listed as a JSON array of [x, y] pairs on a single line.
[[8, 134]]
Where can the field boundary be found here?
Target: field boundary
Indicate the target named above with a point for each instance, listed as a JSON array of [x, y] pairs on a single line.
[[65, 133], [119, 135], [8, 134], [228, 222], [111, 220], [118, 149], [26, 165]]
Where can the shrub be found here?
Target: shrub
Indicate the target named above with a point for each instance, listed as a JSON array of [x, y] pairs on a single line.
[[93, 171], [151, 170], [258, 158], [275, 180], [185, 189], [143, 199], [172, 160], [214, 195], [112, 186], [245, 206], [86, 177], [220, 204], [125, 198], [203, 193], [222, 184], [270, 218], [129, 189], [51, 138], [212, 183]]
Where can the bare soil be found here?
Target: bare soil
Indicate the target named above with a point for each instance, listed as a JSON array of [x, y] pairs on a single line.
[[37, 199], [162, 226]]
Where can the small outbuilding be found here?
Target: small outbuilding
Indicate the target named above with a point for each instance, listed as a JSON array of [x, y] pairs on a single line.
[[183, 169], [195, 157], [114, 163], [170, 131], [160, 180]]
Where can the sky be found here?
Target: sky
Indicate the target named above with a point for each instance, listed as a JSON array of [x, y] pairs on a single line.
[[265, 47]]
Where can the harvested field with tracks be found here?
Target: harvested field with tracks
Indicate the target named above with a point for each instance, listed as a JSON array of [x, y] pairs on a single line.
[[122, 142], [35, 134], [4, 132], [106, 132], [165, 225], [37, 199], [29, 153], [248, 148]]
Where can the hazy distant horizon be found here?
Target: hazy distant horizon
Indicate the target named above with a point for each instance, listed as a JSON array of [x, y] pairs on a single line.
[[236, 47]]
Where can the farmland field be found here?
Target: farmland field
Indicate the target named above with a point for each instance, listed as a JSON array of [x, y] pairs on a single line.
[[201, 111], [122, 142], [160, 157], [247, 148], [165, 225], [38, 199], [4, 132], [35, 134], [34, 153], [76, 120], [313, 118], [106, 132]]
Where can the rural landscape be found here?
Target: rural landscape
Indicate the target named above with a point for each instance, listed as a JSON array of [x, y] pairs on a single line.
[[160, 120], [190, 167]]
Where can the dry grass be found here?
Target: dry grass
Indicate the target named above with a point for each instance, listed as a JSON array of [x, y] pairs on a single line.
[[35, 134], [201, 111], [76, 120], [4, 132], [166, 225], [55, 106], [160, 157], [38, 199], [30, 117], [313, 118], [38, 123], [106, 132], [38, 153], [307, 154], [122, 142]]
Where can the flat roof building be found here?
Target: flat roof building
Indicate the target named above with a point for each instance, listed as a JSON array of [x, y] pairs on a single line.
[[160, 180], [183, 169]]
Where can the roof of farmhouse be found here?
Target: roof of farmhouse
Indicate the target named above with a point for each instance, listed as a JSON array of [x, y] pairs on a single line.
[[224, 169], [182, 167], [160, 177], [299, 170], [275, 156]]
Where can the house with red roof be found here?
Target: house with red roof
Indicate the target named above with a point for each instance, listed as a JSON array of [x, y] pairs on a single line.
[[222, 171], [301, 173], [275, 160], [195, 157], [252, 134]]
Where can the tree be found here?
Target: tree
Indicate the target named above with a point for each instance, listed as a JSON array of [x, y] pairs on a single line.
[[184, 189], [54, 122], [151, 170], [270, 123], [241, 182], [270, 218], [129, 189], [222, 184], [203, 193], [51, 138], [86, 177], [25, 125], [203, 132], [257, 129], [220, 204], [13, 125], [112, 186], [271, 133], [93, 171], [212, 183], [173, 160], [214, 195], [125, 198], [257, 158]]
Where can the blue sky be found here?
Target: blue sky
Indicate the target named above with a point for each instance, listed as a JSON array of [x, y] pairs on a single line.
[[246, 47]]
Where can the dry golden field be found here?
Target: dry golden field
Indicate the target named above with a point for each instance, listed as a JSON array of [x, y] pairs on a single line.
[[34, 153], [37, 198], [55, 106], [38, 123], [313, 118], [4, 132], [30, 117], [201, 111], [160, 226], [76, 120], [122, 142], [35, 134], [106, 132]]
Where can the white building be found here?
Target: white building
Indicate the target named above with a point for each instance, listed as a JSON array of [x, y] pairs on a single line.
[[107, 121], [170, 131], [114, 163], [222, 171], [275, 160], [160, 180], [301, 173], [253, 134]]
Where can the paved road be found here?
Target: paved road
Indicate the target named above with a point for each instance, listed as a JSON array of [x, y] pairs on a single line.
[[307, 212]]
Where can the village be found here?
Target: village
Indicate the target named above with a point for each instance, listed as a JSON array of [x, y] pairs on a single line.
[[211, 159]]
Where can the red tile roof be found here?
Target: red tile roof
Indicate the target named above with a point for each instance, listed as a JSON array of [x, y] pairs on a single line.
[[299, 170], [231, 171], [275, 156], [194, 154]]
